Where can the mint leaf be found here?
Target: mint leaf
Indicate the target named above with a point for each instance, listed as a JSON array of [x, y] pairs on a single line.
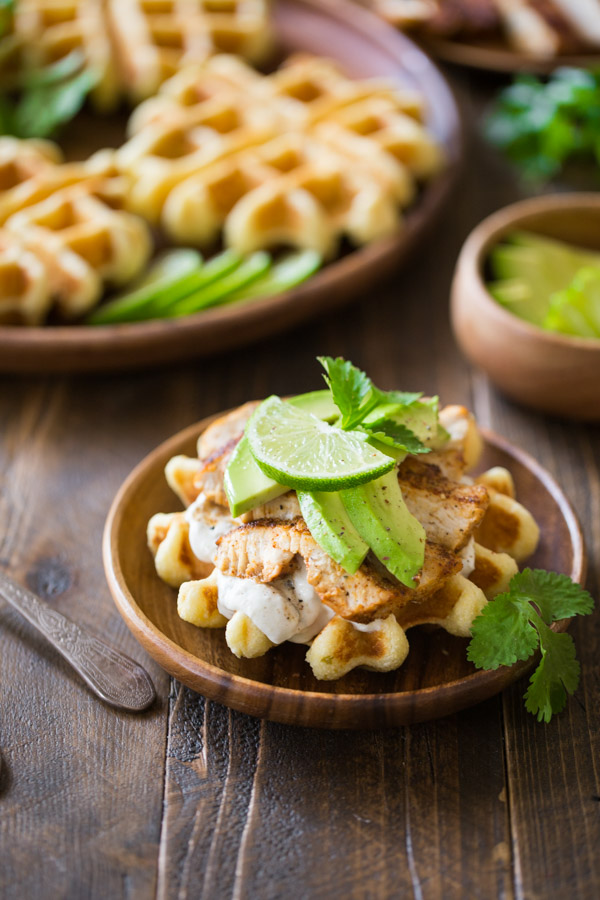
[[387, 431], [515, 623], [502, 634], [556, 676], [351, 389]]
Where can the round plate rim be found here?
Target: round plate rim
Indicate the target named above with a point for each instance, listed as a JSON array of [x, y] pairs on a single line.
[[178, 661], [85, 348]]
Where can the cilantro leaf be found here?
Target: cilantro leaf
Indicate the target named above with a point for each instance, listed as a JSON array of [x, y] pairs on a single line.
[[387, 431], [502, 634], [540, 125], [555, 595], [556, 675], [351, 389], [514, 624]]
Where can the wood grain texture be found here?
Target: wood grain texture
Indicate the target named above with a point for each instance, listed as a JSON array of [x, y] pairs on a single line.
[[483, 804]]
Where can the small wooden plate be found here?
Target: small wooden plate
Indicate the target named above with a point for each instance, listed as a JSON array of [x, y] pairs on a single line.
[[497, 56], [365, 47], [436, 678]]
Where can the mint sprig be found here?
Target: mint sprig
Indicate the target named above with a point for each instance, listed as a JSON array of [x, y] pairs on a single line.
[[356, 397], [517, 623]]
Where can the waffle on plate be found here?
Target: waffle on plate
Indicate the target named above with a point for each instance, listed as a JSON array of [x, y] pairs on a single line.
[[477, 534], [304, 157]]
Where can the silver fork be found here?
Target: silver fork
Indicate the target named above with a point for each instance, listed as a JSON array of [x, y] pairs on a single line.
[[115, 678]]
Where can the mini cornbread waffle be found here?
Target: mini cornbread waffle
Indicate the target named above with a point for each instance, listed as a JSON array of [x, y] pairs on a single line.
[[132, 46], [155, 38], [25, 296], [64, 235], [302, 157], [84, 244], [51, 29], [477, 533]]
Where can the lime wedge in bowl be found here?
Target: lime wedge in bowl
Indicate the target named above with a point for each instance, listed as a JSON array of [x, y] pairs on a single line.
[[301, 451]]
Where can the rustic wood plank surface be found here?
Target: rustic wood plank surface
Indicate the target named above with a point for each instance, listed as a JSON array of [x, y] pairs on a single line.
[[191, 800]]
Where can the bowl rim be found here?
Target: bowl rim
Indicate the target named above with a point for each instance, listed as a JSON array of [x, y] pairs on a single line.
[[225, 686], [488, 234]]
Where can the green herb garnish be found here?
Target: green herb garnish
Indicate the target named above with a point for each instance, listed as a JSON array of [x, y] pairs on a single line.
[[41, 100], [356, 397], [515, 624], [540, 125]]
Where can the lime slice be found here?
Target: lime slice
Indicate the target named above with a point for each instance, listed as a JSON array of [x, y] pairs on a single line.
[[299, 450]]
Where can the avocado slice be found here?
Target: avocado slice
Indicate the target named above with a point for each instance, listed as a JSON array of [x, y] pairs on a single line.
[[330, 525], [291, 270], [246, 485], [421, 417], [378, 512], [220, 289], [173, 276], [530, 268]]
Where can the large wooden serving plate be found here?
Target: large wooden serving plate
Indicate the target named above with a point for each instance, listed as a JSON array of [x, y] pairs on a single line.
[[436, 678], [365, 47]]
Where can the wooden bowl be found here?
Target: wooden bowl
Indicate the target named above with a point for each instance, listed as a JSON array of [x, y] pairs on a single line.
[[436, 678], [365, 47], [552, 372]]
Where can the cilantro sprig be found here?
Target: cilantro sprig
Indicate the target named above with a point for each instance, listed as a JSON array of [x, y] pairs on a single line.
[[517, 623], [540, 125], [356, 397]]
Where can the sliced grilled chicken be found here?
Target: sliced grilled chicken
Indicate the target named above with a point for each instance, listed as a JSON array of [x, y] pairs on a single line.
[[265, 549], [224, 429], [448, 511], [285, 507], [209, 478]]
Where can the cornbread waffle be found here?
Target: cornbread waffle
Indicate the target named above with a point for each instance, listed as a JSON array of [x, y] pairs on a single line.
[[484, 535], [67, 223], [303, 157], [25, 296], [83, 243], [132, 46], [51, 29], [155, 38]]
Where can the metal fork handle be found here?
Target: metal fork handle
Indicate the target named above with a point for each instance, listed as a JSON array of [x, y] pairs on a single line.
[[114, 677]]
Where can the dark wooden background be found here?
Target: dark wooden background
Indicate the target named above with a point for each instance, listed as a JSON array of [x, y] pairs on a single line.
[[191, 800]]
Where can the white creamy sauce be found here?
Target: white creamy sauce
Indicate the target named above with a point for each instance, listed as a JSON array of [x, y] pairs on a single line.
[[208, 522], [286, 609], [375, 625], [468, 557]]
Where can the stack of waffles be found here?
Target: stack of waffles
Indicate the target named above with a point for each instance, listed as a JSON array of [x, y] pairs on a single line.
[[64, 234], [302, 157], [477, 534], [134, 45]]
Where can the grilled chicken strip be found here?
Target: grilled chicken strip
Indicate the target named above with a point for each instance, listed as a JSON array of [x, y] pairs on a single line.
[[266, 549], [448, 511], [224, 429]]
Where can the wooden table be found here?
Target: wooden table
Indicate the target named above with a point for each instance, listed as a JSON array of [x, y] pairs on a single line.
[[191, 800]]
